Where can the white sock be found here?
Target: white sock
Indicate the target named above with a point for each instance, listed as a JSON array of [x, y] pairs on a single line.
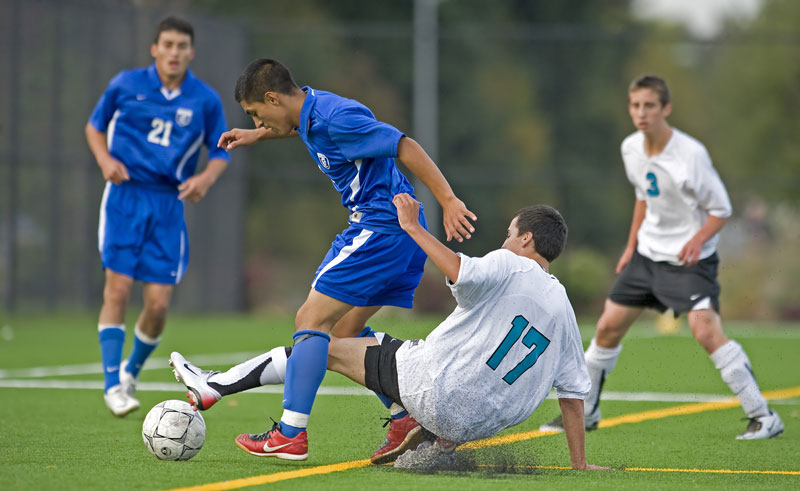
[[599, 362], [271, 373], [734, 366]]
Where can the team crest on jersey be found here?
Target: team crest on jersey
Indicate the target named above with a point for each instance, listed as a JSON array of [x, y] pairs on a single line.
[[184, 116], [323, 160]]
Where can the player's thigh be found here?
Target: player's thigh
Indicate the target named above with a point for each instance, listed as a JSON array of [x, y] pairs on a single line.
[[353, 322], [346, 356], [320, 312], [614, 323]]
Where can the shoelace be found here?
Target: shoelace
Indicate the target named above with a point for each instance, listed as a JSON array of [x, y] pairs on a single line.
[[263, 436]]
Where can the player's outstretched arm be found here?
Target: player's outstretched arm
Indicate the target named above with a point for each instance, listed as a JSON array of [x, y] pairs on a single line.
[[572, 414], [455, 215], [446, 260], [238, 137], [113, 170]]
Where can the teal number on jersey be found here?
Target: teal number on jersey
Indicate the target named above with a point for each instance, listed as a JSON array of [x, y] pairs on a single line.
[[532, 339], [653, 190]]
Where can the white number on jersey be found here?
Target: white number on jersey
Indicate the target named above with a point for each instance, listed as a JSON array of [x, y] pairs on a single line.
[[160, 132]]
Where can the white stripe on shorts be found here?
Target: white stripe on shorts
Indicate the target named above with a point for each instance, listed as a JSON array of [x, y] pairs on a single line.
[[345, 253], [101, 228]]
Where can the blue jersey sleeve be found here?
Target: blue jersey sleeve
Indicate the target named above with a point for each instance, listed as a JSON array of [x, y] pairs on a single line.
[[360, 136], [104, 110], [215, 127]]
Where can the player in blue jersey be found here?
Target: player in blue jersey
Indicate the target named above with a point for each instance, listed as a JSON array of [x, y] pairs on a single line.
[[372, 262], [145, 133]]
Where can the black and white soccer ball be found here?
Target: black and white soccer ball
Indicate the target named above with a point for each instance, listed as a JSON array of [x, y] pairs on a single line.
[[172, 430]]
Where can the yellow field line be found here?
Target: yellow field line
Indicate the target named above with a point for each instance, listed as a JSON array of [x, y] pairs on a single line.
[[516, 437], [654, 469], [278, 476]]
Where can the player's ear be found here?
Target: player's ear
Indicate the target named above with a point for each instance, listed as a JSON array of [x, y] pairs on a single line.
[[271, 98], [667, 109], [527, 239], [153, 50]]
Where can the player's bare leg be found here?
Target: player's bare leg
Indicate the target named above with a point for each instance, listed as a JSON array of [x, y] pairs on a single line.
[[731, 360], [353, 323], [147, 333], [111, 334]]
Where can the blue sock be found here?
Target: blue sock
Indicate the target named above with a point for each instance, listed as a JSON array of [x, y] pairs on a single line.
[[112, 337], [369, 333], [401, 414], [143, 345], [305, 370]]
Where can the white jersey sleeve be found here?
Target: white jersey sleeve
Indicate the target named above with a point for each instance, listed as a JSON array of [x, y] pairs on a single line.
[[704, 182], [571, 381]]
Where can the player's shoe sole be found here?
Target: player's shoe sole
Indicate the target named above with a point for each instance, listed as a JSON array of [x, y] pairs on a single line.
[[200, 394]]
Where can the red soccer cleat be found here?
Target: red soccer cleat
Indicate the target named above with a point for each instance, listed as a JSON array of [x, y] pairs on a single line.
[[404, 434], [273, 443]]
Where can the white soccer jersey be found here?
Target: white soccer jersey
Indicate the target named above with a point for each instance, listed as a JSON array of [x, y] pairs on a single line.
[[681, 189], [492, 362]]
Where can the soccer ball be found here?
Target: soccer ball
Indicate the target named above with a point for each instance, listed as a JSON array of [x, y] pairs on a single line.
[[172, 430]]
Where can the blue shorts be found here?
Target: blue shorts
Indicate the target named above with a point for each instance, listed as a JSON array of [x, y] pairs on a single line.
[[366, 268], [142, 233]]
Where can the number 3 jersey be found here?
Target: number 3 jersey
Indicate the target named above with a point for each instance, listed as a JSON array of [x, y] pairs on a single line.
[[157, 133], [681, 189], [492, 362]]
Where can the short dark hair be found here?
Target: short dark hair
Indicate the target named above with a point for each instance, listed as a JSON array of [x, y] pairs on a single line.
[[261, 76], [547, 226], [174, 24], [657, 84]]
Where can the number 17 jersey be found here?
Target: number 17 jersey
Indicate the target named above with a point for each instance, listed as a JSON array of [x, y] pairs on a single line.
[[493, 361]]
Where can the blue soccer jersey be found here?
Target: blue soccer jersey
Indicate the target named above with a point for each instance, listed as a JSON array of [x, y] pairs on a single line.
[[158, 133], [356, 151]]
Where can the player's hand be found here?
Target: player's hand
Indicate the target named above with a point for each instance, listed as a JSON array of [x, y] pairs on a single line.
[[114, 171], [195, 188], [237, 137], [456, 218], [624, 259], [407, 210], [690, 253]]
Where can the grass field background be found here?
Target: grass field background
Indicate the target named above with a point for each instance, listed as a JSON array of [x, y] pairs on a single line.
[[66, 439]]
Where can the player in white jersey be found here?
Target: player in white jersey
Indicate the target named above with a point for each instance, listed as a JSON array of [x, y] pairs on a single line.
[[489, 365], [670, 261]]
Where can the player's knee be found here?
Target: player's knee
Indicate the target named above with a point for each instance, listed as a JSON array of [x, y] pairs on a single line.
[[116, 294], [157, 308]]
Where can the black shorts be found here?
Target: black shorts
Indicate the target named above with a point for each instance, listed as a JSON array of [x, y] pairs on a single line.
[[380, 366], [661, 285]]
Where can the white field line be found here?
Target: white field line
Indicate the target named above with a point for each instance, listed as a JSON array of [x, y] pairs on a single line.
[[97, 368], [20, 378], [357, 391]]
